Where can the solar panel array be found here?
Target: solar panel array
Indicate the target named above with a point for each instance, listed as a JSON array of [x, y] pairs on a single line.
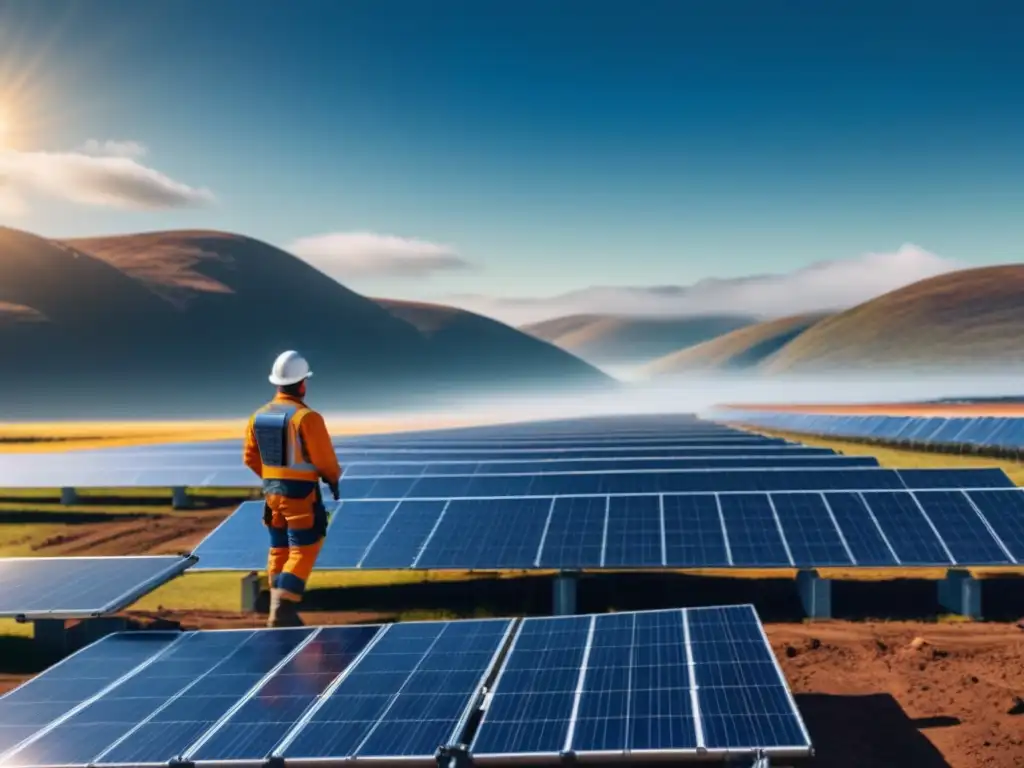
[[988, 431], [675, 682], [803, 529], [78, 587]]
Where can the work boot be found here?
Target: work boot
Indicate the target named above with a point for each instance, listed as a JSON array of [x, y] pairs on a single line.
[[288, 614]]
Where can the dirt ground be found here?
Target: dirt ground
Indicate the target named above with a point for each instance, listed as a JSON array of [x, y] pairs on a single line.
[[878, 694]]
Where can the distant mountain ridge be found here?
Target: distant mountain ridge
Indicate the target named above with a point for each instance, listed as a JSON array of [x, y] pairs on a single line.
[[743, 349], [972, 320], [187, 323], [616, 340]]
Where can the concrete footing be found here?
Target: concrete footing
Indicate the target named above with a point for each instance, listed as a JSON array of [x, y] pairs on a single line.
[[68, 496], [815, 594], [564, 594], [960, 593], [251, 587], [179, 498]]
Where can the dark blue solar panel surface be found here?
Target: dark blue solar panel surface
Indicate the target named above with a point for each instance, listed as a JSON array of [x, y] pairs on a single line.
[[57, 691], [906, 529], [754, 537], [980, 477], [253, 730], [532, 700], [863, 537], [744, 702], [353, 531], [402, 538], [679, 481], [406, 696], [633, 531], [876, 528], [964, 531], [625, 683], [80, 586], [1004, 511], [694, 534], [575, 533], [810, 532], [784, 461], [499, 533]]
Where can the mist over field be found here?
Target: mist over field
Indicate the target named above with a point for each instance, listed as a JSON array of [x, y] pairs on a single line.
[[703, 396]]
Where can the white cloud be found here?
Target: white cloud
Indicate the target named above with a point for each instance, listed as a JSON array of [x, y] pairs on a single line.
[[824, 286], [110, 180], [113, 148], [347, 255]]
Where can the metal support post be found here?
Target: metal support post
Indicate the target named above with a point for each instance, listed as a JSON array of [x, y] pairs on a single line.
[[960, 593], [50, 635], [815, 594], [564, 594]]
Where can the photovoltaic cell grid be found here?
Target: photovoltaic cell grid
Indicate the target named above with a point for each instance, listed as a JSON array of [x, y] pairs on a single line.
[[781, 529], [78, 587], [658, 680], [638, 683], [994, 431]]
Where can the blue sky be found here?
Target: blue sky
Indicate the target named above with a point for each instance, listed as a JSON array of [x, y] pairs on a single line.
[[554, 146]]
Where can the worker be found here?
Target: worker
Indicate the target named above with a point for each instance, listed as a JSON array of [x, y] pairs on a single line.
[[288, 446]]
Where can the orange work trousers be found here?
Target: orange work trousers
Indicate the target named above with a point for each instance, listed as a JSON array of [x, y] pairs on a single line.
[[297, 528]]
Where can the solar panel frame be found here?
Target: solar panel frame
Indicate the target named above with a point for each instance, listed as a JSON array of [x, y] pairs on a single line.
[[173, 565], [700, 751]]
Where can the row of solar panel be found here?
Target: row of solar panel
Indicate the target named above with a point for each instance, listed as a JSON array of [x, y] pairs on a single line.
[[642, 463], [27, 470], [670, 481], [679, 681], [105, 469], [631, 481], [804, 530], [396, 441], [1000, 432]]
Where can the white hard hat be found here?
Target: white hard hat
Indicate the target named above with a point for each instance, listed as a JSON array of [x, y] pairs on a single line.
[[289, 368]]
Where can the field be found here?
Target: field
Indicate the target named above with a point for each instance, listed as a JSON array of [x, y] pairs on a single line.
[[875, 692]]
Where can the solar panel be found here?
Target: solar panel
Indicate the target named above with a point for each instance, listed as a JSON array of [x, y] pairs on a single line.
[[80, 587], [406, 697], [199, 469], [549, 466], [660, 481], [677, 682], [763, 530], [1003, 513]]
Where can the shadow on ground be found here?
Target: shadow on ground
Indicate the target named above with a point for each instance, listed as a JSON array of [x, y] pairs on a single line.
[[775, 599], [872, 730]]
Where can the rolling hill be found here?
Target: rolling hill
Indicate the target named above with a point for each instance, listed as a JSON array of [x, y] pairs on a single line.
[[741, 349], [452, 331], [187, 323], [612, 340], [969, 320]]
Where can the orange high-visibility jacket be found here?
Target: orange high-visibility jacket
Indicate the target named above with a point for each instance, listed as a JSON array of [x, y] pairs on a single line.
[[287, 445]]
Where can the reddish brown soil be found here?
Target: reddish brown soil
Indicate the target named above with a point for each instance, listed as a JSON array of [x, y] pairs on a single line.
[[156, 534]]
